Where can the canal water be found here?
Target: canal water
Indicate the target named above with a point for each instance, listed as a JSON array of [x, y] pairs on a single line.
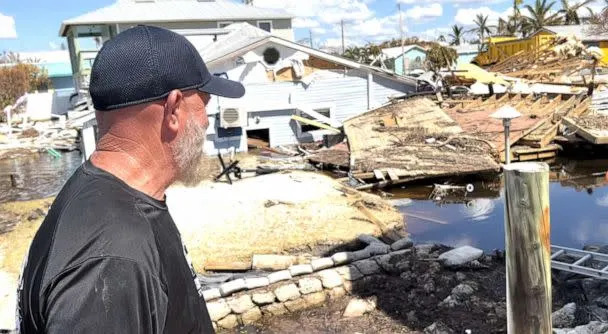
[[579, 203], [579, 210], [35, 176]]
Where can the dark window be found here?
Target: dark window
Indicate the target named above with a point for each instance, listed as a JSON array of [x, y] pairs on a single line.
[[267, 26], [271, 56]]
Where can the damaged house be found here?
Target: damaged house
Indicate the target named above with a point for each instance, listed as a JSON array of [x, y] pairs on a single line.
[[288, 84]]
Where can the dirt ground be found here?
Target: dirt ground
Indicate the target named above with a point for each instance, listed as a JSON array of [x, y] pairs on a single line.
[[224, 225]]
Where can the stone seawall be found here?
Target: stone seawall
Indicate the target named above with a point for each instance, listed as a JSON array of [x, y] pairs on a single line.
[[246, 300]]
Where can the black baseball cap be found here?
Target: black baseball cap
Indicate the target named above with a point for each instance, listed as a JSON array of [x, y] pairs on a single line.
[[146, 63]]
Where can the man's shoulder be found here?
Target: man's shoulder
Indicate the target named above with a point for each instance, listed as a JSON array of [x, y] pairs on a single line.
[[99, 218]]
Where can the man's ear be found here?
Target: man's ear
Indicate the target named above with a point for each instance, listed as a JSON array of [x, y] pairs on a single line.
[[173, 109]]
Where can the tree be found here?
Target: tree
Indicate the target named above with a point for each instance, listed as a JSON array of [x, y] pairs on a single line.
[[438, 57], [483, 28], [539, 15], [456, 35], [248, 2], [570, 11], [509, 27], [441, 38]]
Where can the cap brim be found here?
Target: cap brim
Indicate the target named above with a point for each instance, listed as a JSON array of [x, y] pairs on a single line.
[[223, 87]]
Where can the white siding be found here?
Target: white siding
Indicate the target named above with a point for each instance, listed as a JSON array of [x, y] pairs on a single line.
[[274, 103]]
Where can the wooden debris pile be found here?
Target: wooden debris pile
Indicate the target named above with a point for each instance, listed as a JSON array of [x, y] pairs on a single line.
[[414, 139], [532, 134], [557, 62]]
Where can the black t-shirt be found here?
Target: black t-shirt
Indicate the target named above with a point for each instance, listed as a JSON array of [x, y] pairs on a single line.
[[108, 259]]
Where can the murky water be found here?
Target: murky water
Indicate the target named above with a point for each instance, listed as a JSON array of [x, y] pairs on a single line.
[[35, 176], [579, 210]]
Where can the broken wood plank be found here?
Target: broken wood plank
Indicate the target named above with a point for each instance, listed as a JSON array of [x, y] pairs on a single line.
[[314, 123], [379, 175]]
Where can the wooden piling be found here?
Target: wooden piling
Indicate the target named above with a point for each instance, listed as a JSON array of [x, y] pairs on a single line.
[[528, 248]]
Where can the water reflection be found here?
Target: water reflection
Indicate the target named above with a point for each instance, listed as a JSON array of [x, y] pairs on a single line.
[[578, 214], [35, 176]]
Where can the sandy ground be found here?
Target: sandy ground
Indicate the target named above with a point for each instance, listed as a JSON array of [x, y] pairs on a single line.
[[272, 214], [13, 248]]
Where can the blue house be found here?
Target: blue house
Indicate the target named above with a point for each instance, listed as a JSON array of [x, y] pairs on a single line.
[[413, 56]]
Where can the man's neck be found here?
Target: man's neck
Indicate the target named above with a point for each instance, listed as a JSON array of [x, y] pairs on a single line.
[[149, 178]]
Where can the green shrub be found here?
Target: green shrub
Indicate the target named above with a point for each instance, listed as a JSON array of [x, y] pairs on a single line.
[[16, 80]]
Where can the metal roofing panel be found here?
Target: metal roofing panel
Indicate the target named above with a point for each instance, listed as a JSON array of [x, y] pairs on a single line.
[[129, 11], [581, 32]]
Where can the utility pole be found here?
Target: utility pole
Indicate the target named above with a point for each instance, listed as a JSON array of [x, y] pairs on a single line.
[[402, 41], [310, 37], [342, 25]]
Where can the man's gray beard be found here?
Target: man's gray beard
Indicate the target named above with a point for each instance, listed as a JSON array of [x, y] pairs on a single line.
[[189, 154]]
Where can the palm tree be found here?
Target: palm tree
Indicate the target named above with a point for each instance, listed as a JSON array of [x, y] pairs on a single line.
[[483, 28], [570, 11], [539, 15], [441, 38], [456, 35], [509, 27]]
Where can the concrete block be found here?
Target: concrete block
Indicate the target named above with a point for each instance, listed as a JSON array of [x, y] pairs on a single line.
[[360, 255], [309, 285], [256, 282], [296, 305], [369, 239], [330, 278], [300, 269], [272, 262], [358, 307], [274, 309], [337, 292], [211, 294], [278, 276], [342, 258], [404, 243], [460, 256], [240, 304], [287, 292], [349, 273], [315, 299], [378, 249], [218, 309], [263, 298], [229, 322], [228, 288], [251, 316], [322, 263], [367, 267]]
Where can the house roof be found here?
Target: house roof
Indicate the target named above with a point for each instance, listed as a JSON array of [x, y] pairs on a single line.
[[582, 32], [396, 51], [245, 37], [465, 48], [137, 11]]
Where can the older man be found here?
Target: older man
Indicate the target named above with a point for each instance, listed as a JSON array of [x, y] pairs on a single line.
[[108, 257]]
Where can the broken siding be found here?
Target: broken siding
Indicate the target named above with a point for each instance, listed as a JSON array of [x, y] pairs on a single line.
[[346, 95], [278, 122]]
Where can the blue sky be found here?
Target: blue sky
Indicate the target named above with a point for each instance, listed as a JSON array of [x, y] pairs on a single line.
[[33, 25]]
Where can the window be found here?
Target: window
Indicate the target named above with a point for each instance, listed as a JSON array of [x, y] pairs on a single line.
[[224, 24], [271, 56], [265, 25]]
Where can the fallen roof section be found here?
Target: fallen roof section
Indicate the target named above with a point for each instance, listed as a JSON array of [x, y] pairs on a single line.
[[414, 139]]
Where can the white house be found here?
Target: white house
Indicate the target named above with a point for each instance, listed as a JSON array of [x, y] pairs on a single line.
[[283, 79], [87, 32]]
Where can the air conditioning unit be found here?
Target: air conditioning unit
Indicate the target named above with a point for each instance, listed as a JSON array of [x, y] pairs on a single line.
[[232, 118]]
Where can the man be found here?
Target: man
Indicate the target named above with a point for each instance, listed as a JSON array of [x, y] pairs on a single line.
[[108, 257]]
